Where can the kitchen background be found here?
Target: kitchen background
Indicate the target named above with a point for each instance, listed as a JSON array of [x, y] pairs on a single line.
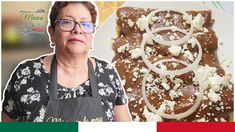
[[24, 36]]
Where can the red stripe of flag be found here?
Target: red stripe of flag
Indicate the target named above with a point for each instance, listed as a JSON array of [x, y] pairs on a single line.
[[196, 127]]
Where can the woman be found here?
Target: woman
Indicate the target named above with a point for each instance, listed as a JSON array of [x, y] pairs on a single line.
[[67, 85]]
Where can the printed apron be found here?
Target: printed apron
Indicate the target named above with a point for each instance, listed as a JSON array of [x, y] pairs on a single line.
[[74, 109]]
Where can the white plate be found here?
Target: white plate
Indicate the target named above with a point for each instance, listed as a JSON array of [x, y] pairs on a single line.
[[223, 27]]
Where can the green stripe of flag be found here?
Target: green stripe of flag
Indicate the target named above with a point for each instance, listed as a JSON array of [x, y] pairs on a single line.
[[38, 127]]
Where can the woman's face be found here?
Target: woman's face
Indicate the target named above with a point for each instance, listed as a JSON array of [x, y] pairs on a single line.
[[75, 41]]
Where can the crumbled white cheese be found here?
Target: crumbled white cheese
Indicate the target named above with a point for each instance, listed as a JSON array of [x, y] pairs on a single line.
[[158, 36], [175, 16], [215, 82], [218, 108], [198, 33], [222, 120], [176, 86], [173, 94], [187, 54], [171, 77], [148, 51], [198, 21], [174, 64], [225, 63], [196, 93], [142, 22], [201, 120], [167, 15], [159, 56], [135, 53], [134, 79], [221, 104], [214, 97], [135, 73], [140, 102], [130, 22], [149, 78], [179, 93], [123, 82], [126, 61], [191, 41], [143, 70], [165, 85], [195, 55], [185, 47], [172, 37], [162, 67], [187, 18], [205, 30], [131, 99], [167, 105], [210, 79], [123, 48], [167, 23], [226, 80], [174, 28], [151, 117], [137, 118], [136, 69], [178, 81], [205, 98], [129, 89], [216, 119], [206, 71], [152, 18], [175, 50], [148, 39]]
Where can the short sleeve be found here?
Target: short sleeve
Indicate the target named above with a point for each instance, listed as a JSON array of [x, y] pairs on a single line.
[[121, 97], [11, 102]]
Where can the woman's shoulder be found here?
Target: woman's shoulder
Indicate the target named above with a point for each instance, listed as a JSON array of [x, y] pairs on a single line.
[[27, 69], [32, 62], [28, 66], [101, 63]]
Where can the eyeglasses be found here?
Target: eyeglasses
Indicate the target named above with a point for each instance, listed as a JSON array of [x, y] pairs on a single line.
[[68, 25]]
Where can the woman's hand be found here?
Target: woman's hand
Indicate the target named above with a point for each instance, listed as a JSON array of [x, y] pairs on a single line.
[[121, 113], [6, 118]]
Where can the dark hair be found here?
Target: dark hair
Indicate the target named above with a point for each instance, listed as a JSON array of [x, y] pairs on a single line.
[[58, 5]]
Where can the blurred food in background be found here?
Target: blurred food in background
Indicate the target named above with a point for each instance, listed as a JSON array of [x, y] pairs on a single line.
[[106, 8]]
